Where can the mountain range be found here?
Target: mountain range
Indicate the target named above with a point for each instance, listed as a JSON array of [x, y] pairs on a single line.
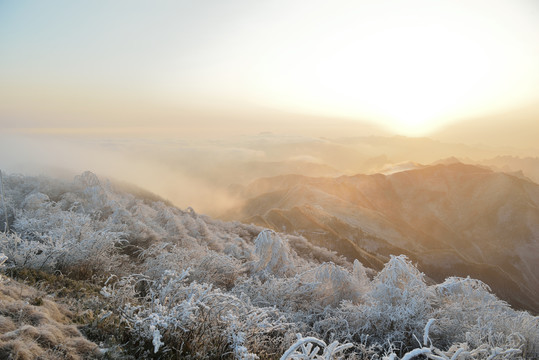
[[452, 219]]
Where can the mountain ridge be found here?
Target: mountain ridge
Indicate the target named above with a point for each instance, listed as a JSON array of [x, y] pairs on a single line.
[[450, 217]]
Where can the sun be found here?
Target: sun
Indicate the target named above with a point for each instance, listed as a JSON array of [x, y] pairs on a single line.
[[410, 79]]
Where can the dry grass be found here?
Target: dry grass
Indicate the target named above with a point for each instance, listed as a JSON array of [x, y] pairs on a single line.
[[33, 326]]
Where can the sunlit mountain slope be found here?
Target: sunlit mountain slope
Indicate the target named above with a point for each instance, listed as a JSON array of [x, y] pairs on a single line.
[[453, 219]]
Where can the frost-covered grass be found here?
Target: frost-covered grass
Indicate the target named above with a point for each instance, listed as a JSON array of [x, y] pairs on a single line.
[[183, 285]]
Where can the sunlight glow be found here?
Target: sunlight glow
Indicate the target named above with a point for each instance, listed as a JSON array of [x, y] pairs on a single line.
[[415, 79], [408, 67], [412, 71]]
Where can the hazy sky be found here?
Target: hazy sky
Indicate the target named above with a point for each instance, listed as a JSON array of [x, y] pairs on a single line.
[[411, 66]]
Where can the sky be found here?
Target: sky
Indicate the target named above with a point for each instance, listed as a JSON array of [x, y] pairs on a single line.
[[408, 67]]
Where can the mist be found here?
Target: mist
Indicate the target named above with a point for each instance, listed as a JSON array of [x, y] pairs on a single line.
[[206, 172]]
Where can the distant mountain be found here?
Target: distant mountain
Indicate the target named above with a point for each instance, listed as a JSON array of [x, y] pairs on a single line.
[[529, 166], [451, 218]]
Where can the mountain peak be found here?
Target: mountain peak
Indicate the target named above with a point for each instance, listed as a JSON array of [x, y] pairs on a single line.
[[447, 161]]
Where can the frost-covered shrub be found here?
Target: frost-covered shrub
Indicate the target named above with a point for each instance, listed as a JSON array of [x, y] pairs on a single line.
[[239, 249], [207, 266], [51, 238], [359, 273], [94, 194], [50, 235], [217, 269], [171, 221], [306, 296], [311, 290], [468, 312], [193, 320], [394, 306], [3, 259], [456, 351], [289, 295], [316, 349], [272, 253], [164, 256], [311, 348], [399, 303], [25, 253], [335, 284]]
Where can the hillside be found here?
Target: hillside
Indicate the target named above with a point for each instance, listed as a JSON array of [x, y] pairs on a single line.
[[132, 277], [453, 219]]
